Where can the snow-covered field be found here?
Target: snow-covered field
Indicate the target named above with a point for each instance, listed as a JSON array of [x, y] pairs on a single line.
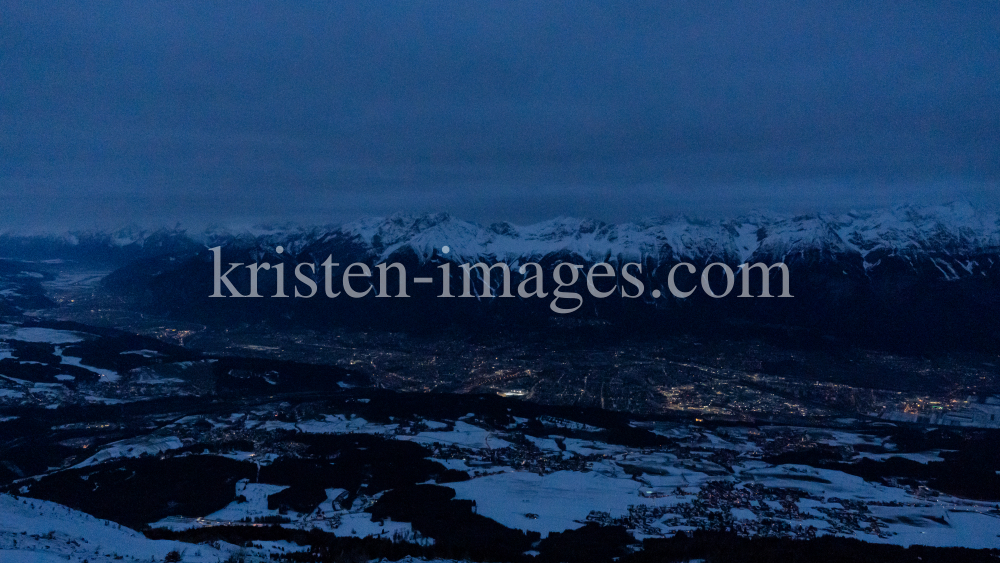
[[145, 445], [713, 479], [463, 434], [34, 334], [658, 492], [556, 502]]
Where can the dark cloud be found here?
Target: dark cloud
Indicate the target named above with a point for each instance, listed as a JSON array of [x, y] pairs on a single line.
[[149, 111]]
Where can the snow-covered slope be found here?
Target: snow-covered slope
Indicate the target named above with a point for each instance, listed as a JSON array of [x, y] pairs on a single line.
[[37, 530]]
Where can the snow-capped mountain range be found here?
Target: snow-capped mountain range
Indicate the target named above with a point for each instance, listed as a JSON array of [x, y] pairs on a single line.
[[955, 230], [911, 277], [958, 239]]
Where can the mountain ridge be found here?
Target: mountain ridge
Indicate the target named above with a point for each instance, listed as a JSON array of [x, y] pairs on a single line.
[[957, 239]]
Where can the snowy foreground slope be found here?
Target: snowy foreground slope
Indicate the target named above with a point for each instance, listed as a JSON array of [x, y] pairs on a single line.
[[35, 530]]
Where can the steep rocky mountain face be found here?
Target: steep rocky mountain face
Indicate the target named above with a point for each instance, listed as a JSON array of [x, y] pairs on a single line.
[[905, 278]]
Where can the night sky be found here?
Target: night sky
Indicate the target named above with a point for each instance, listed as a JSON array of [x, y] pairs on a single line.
[[236, 112]]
